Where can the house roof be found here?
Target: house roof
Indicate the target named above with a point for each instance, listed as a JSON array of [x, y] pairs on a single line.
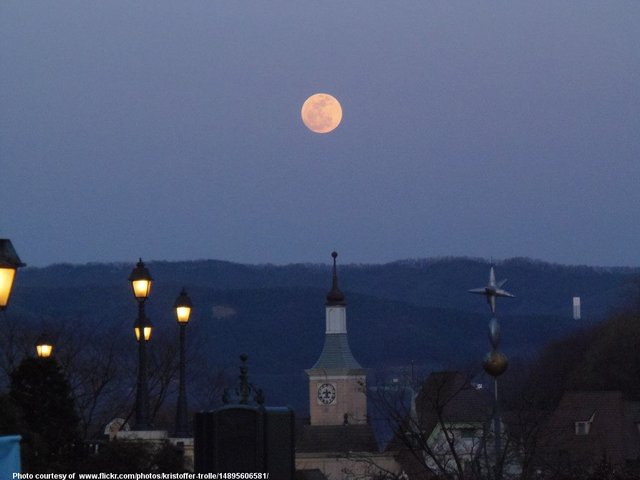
[[612, 428], [450, 397], [445, 397], [336, 439]]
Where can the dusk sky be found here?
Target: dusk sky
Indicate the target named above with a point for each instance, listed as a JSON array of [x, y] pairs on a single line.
[[172, 130]]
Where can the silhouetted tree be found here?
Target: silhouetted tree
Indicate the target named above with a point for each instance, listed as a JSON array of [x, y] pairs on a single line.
[[46, 415], [603, 357], [8, 416]]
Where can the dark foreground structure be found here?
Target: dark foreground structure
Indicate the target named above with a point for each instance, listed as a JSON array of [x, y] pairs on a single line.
[[243, 438]]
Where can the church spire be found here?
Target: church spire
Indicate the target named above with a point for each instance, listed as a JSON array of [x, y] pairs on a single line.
[[336, 381], [335, 296], [336, 353]]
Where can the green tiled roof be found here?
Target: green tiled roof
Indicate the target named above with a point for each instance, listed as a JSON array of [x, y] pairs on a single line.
[[336, 354]]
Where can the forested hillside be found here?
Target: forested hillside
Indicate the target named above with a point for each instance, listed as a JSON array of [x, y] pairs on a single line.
[[406, 314]]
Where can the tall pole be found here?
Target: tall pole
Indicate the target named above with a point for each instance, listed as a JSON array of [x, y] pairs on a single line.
[[142, 391], [497, 430], [141, 285], [495, 362], [183, 308], [182, 418]]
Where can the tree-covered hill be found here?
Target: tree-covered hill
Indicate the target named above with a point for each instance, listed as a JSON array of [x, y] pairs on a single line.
[[403, 313], [540, 288]]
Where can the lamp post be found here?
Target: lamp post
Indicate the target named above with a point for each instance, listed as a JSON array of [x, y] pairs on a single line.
[[9, 263], [141, 285], [183, 312], [44, 347]]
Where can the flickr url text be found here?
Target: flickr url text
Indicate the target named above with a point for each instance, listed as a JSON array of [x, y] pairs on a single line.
[[141, 476]]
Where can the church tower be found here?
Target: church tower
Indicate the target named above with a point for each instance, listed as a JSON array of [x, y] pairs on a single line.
[[337, 382], [338, 436]]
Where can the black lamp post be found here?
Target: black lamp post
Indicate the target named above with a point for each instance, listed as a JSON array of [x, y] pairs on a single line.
[[183, 312], [141, 284], [9, 263], [44, 346]]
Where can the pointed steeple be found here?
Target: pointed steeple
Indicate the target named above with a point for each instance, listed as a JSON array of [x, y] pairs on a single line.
[[335, 296], [336, 381], [336, 353]]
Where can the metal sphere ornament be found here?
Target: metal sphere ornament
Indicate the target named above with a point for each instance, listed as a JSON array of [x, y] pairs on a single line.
[[495, 363]]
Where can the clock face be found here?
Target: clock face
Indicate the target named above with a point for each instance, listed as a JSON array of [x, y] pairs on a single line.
[[326, 393]]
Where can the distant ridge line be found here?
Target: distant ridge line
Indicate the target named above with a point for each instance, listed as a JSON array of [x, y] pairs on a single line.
[[407, 262]]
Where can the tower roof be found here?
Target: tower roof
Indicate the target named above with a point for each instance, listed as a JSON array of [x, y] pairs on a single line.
[[336, 354], [335, 296]]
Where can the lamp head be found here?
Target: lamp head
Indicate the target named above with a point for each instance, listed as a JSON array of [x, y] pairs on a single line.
[[183, 307], [9, 263], [140, 281], [143, 328], [44, 346]]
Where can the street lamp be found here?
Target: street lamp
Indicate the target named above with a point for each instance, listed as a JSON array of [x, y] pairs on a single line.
[[183, 308], [9, 263], [44, 347], [141, 285], [140, 281]]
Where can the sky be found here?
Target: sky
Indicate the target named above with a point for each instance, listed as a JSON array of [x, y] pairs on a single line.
[[171, 130]]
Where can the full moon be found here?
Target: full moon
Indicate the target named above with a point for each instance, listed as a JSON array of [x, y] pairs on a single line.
[[321, 113]]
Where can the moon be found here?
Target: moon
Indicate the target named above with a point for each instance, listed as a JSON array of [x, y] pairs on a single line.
[[321, 113]]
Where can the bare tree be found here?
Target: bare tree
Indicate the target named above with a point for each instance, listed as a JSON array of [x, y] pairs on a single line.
[[98, 377], [442, 429], [16, 342], [100, 364]]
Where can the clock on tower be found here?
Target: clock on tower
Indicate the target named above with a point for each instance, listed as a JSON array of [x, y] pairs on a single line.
[[326, 393]]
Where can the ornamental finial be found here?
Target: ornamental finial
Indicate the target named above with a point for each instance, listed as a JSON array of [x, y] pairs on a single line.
[[335, 296]]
